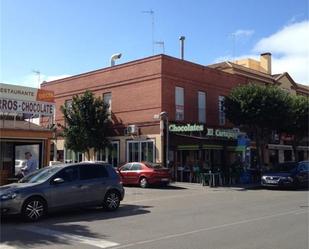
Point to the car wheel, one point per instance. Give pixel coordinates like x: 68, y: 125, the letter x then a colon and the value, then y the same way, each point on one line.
x: 143, y: 182
x: 111, y: 201
x: 34, y: 209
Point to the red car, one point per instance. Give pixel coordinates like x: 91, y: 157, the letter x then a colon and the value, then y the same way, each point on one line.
x: 144, y: 174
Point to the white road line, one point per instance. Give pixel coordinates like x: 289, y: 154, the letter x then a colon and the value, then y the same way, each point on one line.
x: 172, y: 236
x: 70, y: 237
x: 6, y: 246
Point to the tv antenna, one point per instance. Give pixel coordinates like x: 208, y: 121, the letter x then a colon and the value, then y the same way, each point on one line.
x: 38, y: 73
x: 161, y: 43
x: 151, y: 12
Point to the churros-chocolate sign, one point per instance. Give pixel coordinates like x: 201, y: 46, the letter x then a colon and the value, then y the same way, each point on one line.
x: 26, y: 100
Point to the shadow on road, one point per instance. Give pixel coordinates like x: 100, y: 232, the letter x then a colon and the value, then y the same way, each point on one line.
x: 15, y: 232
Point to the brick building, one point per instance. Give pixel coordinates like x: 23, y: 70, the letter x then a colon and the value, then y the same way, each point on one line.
x: 189, y: 94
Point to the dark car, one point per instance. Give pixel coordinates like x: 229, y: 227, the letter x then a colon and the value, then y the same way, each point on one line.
x: 294, y: 175
x: 144, y: 174
x: 62, y: 186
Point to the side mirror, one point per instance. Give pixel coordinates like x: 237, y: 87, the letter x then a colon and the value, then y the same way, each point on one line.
x: 58, y: 180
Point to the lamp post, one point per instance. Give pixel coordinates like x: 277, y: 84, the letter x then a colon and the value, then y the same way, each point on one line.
x: 163, y: 116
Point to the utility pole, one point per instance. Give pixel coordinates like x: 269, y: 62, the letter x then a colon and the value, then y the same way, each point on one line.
x: 151, y: 12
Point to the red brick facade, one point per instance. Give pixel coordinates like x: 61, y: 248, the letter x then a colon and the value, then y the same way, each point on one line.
x: 146, y: 87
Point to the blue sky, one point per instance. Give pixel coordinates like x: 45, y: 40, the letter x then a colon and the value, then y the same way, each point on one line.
x: 66, y: 37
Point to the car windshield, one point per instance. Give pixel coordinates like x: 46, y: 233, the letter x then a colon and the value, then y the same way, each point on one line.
x: 284, y: 167
x: 40, y: 175
x: 153, y: 165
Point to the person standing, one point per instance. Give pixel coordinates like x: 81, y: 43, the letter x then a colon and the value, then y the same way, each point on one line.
x: 31, y: 164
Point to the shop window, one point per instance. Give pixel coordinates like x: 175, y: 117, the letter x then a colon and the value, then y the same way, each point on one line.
x: 107, y: 98
x: 140, y: 151
x: 109, y: 155
x: 73, y: 157
x: 202, y: 107
x: 221, y: 111
x: 68, y: 104
x: 179, y: 103
x: 287, y: 155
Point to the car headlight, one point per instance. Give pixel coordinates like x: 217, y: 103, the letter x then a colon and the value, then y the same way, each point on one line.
x: 8, y: 196
x: 263, y: 177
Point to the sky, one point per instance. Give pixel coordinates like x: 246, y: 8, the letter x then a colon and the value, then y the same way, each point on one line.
x: 60, y: 38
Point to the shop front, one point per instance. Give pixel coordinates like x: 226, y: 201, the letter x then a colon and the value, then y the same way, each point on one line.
x: 196, y: 149
x: 18, y: 135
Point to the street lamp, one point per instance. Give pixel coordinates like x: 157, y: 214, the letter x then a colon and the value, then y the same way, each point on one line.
x: 164, y: 116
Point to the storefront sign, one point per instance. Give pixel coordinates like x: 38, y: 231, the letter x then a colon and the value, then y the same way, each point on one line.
x: 185, y: 128
x: 26, y: 100
x: 228, y: 133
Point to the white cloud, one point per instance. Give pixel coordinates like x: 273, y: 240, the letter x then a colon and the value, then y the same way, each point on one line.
x: 289, y: 48
x: 292, y: 39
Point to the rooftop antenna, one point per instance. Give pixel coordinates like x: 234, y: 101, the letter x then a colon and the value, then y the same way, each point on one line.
x: 161, y: 43
x: 151, y: 12
x: 38, y: 73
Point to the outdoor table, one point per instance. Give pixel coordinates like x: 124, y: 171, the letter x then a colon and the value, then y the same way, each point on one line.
x: 212, y: 179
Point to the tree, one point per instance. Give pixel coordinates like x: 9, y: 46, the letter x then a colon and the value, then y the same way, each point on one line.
x: 299, y: 119
x: 86, y: 123
x: 259, y: 110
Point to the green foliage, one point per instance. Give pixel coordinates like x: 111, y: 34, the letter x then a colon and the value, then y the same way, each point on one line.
x: 299, y: 117
x: 86, y: 123
x: 260, y: 110
x: 258, y: 106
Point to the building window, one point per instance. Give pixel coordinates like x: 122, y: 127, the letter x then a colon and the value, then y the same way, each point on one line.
x: 68, y: 104
x: 107, y: 98
x: 221, y: 111
x: 138, y: 151
x: 73, y: 157
x: 179, y: 103
x: 109, y: 155
x: 202, y: 107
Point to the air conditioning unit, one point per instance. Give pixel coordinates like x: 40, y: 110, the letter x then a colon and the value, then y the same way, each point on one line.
x: 132, y: 129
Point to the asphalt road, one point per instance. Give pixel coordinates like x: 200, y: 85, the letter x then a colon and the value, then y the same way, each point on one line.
x: 181, y: 217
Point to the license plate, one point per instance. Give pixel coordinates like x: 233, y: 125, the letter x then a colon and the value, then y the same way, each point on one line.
x: 272, y: 181
x: 165, y: 179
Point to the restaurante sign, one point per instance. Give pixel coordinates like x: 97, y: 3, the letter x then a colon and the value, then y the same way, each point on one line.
x: 26, y: 100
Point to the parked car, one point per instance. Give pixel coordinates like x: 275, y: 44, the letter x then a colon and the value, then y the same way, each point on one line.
x: 18, y: 165
x: 289, y: 174
x: 62, y: 186
x: 144, y: 174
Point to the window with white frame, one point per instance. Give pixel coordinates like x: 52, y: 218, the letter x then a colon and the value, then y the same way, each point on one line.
x: 68, y: 103
x: 221, y: 111
x: 179, y: 103
x: 201, y: 107
x: 109, y: 155
x: 107, y: 98
x: 138, y: 151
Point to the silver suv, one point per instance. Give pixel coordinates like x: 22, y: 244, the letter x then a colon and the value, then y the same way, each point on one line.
x: 62, y: 186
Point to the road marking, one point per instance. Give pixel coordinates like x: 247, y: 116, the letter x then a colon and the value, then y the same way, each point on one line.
x: 172, y: 236
x: 6, y: 246
x: 101, y: 243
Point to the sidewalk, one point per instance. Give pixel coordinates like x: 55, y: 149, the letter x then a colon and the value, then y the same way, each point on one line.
x: 224, y: 187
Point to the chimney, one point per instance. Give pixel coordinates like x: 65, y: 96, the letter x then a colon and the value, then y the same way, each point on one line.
x: 265, y: 62
x: 182, y: 45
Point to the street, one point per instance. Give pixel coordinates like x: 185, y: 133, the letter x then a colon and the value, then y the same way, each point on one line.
x: 182, y: 216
